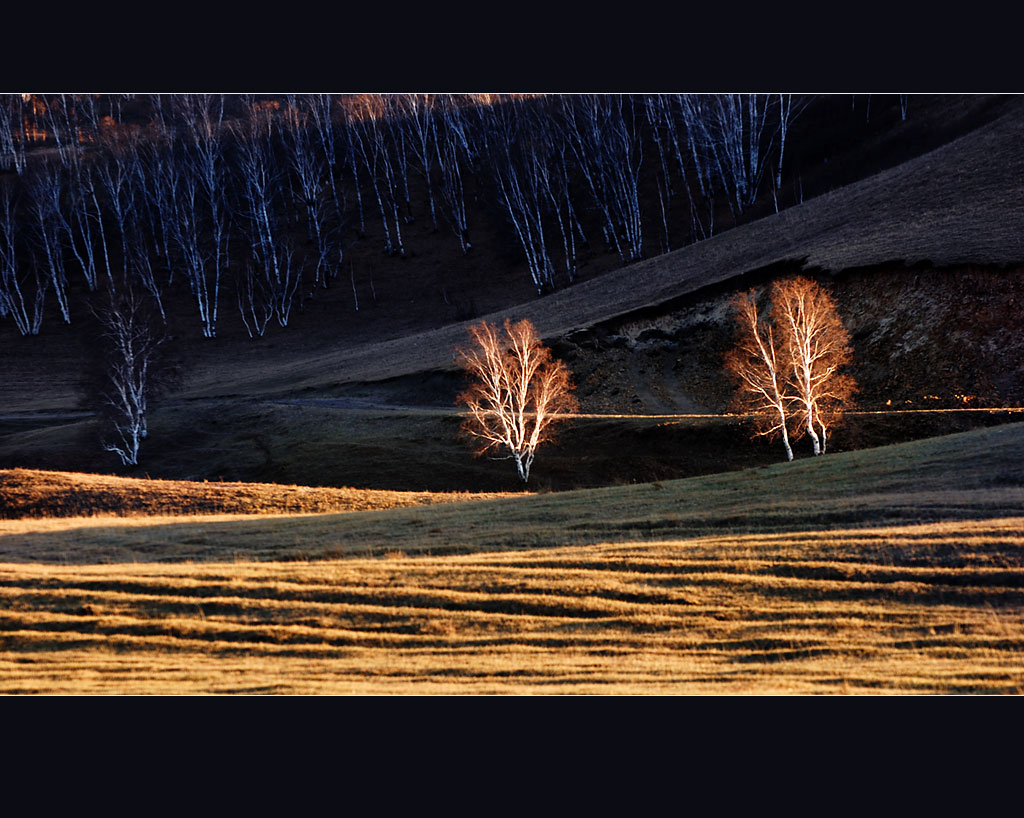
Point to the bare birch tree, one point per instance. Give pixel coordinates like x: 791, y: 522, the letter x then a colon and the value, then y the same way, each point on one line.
x: 130, y: 342
x: 369, y: 134
x: 272, y: 254
x: 817, y: 346
x: 418, y: 117
x: 255, y: 300
x: 20, y: 298
x: 760, y: 375
x: 602, y: 131
x: 451, y: 146
x: 321, y: 109
x: 519, y: 391
x: 79, y: 227
x: 204, y: 119
x: 43, y: 187
x: 309, y: 173
x: 521, y: 188
x: 158, y: 168
x: 788, y: 366
x: 12, y: 133
x: 114, y: 171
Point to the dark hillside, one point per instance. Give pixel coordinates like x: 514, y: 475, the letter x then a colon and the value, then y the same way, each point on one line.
x: 831, y: 144
x: 923, y: 338
x: 957, y: 205
x: 925, y: 257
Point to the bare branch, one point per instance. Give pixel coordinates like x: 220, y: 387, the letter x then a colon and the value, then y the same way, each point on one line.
x: 788, y: 370
x: 519, y: 391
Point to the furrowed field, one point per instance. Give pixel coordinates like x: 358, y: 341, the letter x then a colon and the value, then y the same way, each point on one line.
x: 896, y: 569
x: 304, y: 515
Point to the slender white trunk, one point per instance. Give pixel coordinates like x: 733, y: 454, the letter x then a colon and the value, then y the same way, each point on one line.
x: 785, y: 436
x: 815, y: 440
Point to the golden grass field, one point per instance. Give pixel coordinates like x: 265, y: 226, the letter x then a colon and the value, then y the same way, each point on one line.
x: 820, y: 612
x: 37, y: 493
x: 896, y: 569
x: 889, y: 570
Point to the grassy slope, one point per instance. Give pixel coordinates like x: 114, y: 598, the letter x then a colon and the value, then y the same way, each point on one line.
x: 35, y: 493
x: 893, y: 569
x: 969, y: 475
x: 319, y: 445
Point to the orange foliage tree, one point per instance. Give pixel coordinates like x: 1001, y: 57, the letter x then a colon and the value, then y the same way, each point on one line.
x: 519, y: 390
x: 788, y: 367
x: 817, y: 347
x: 759, y: 372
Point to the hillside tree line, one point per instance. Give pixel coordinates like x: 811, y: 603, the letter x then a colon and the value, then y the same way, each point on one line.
x: 251, y: 203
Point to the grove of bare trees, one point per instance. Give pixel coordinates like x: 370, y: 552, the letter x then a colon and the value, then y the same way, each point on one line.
x: 519, y: 391
x: 128, y: 374
x: 788, y: 363
x: 256, y: 198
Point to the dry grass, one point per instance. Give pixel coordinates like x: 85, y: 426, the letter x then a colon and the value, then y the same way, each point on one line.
x: 925, y: 608
x: 972, y: 475
x: 888, y: 570
x: 35, y: 493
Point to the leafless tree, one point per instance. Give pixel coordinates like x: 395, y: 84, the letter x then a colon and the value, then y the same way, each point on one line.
x: 737, y: 127
x: 321, y: 109
x: 158, y: 168
x: 79, y: 222
x: 12, y: 133
x: 788, y: 366
x: 759, y: 373
x: 369, y: 134
x: 688, y: 111
x: 734, y: 139
x: 352, y: 160
x: 114, y: 171
x: 291, y: 275
x: 185, y: 223
x: 309, y: 172
x: 20, y: 297
x: 122, y: 174
x: 417, y: 115
x: 817, y: 347
x: 786, y: 114
x: 451, y: 146
x: 255, y: 301
x: 130, y: 342
x: 59, y: 128
x: 203, y: 115
x: 518, y: 153
x: 656, y: 114
x: 519, y: 390
x: 394, y: 114
x: 272, y: 255
x: 554, y: 176
x: 602, y: 131
x: 522, y: 192
x: 43, y: 186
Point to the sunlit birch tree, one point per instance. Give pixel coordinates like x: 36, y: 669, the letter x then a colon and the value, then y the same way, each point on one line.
x: 519, y: 390
x: 817, y: 348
